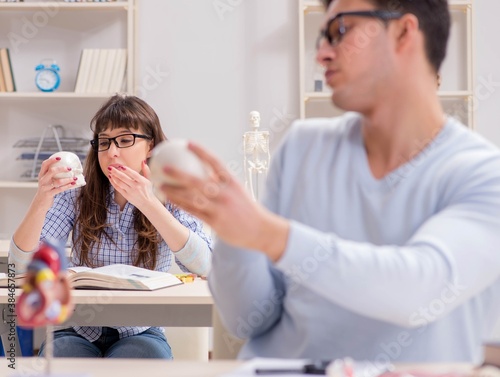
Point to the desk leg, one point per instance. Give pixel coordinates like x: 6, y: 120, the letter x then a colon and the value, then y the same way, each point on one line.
x: 5, y: 328
x: 226, y: 346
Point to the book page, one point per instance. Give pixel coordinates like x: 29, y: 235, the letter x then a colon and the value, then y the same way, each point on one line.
x: 126, y: 271
x: 77, y: 269
x: 5, y: 280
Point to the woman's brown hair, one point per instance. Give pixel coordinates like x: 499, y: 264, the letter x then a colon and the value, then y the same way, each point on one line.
x: 92, y: 203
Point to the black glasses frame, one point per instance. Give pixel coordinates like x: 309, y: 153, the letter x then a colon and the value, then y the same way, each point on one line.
x: 95, y: 142
x: 384, y: 15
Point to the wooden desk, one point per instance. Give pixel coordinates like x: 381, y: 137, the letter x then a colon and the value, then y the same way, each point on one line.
x: 28, y: 366
x: 186, y: 305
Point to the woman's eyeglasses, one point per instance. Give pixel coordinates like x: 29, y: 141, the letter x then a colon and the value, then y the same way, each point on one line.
x: 102, y: 144
x: 335, y: 28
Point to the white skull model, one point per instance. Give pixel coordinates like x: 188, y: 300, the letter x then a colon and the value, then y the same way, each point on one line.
x: 255, y: 119
x: 174, y: 153
x: 71, y: 160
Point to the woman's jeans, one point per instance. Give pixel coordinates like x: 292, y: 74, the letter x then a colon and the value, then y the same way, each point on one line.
x: 151, y: 344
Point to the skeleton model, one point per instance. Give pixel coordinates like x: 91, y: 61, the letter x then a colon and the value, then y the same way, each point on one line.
x: 256, y: 155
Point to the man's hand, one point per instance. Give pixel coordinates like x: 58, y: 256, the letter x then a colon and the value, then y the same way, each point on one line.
x: 222, y: 202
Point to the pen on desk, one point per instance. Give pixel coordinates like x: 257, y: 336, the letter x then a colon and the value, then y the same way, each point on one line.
x: 318, y: 368
x: 279, y: 371
x: 344, y: 367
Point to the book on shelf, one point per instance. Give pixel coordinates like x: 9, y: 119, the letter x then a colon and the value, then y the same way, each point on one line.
x: 113, y: 276
x: 86, y: 69
x: 8, y: 76
x: 79, y: 77
x: 101, y: 71
x: 94, y: 58
x: 3, y: 88
x: 118, y: 79
x: 108, y: 65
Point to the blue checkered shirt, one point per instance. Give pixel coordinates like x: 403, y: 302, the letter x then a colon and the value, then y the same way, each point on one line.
x: 59, y: 223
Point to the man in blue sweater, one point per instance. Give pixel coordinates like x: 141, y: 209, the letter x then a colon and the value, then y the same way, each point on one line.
x: 379, y: 237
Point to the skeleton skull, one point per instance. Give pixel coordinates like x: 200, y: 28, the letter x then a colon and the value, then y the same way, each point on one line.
x: 71, y: 160
x: 255, y: 119
x: 176, y: 154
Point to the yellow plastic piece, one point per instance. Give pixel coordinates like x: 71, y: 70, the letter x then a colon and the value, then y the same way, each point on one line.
x: 27, y: 287
x: 44, y: 275
x: 63, y: 315
x: 186, y: 278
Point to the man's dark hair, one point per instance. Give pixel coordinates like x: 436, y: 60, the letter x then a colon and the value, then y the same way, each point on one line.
x: 434, y: 21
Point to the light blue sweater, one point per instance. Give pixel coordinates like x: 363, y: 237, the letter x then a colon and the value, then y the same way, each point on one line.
x: 401, y: 269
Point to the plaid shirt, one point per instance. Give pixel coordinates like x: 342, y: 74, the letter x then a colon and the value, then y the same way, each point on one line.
x: 61, y: 217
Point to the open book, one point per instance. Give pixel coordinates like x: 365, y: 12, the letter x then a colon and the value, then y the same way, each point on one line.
x: 114, y: 276
x: 6, y: 280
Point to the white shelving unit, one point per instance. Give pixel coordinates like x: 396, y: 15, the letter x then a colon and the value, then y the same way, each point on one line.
x: 52, y: 95
x: 33, y: 5
x: 457, y: 72
x: 35, y: 30
x: 45, y: 11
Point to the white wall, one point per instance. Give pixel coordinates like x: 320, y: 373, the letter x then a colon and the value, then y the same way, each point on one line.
x: 225, y: 58
x: 488, y: 69
x: 221, y: 64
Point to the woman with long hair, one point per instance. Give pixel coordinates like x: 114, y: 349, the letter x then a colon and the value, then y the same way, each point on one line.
x: 115, y: 218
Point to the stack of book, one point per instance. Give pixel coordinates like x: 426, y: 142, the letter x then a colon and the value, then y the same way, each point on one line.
x: 7, y: 83
x: 101, y: 71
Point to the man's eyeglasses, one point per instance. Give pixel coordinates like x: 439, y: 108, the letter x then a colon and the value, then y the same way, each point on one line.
x: 102, y: 144
x: 335, y: 28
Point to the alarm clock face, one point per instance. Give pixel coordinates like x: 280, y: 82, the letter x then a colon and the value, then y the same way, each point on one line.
x: 47, y: 80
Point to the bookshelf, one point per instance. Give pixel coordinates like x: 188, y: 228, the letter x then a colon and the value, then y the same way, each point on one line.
x: 32, y: 20
x: 37, y: 30
x: 457, y: 72
x: 52, y: 95
x: 65, y: 5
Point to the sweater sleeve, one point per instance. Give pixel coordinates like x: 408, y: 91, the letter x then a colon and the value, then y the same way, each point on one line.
x: 196, y: 255
x: 247, y: 291
x: 19, y: 258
